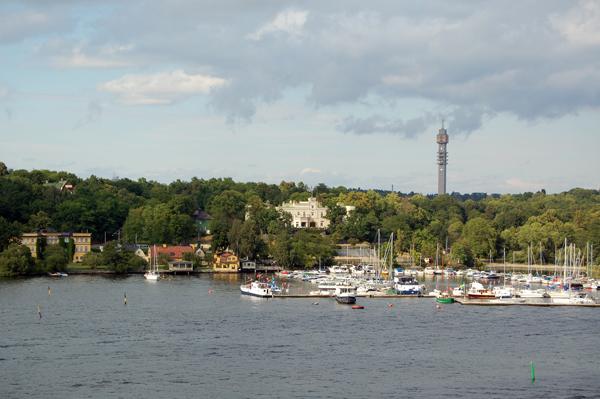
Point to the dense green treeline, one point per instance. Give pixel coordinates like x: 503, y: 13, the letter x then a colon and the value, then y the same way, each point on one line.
x: 244, y: 219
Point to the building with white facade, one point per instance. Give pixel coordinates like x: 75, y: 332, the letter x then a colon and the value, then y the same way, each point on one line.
x: 306, y: 213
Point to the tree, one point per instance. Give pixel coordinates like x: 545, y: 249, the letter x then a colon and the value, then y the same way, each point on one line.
x: 92, y: 259
x: 252, y: 245
x: 281, y: 249
x: 461, y: 253
x: 480, y: 235
x: 3, y: 169
x: 234, y: 236
x: 8, y: 233
x: 55, y: 258
x: 39, y: 221
x: 116, y: 258
x: 16, y: 260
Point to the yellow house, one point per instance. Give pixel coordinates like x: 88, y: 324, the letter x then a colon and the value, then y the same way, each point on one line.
x: 226, y: 262
x: 30, y: 240
x: 83, y: 245
x: 82, y: 242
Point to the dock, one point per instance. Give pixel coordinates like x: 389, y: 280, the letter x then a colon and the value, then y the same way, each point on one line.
x: 462, y: 301
x: 475, y: 302
x: 374, y: 296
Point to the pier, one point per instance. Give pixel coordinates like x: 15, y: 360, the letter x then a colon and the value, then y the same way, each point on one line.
x: 461, y: 301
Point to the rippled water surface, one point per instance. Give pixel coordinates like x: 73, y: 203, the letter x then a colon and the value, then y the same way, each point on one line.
x: 193, y: 337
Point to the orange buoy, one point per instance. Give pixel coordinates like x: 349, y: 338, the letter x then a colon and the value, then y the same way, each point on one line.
x: 358, y: 307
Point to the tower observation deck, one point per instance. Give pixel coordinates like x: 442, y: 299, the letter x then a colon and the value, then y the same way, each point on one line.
x: 442, y: 159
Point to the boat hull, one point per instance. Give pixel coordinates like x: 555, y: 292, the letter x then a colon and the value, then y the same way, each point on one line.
x: 346, y: 300
x: 249, y: 292
x: 408, y: 292
x: 444, y: 300
x: 481, y: 296
x: 151, y: 276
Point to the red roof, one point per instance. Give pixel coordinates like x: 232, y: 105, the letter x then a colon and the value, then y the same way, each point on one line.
x: 173, y: 252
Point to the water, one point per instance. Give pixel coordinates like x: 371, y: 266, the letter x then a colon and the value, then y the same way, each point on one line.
x: 177, y: 338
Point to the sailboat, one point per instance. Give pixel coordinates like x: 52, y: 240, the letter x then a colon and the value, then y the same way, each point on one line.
x: 152, y: 273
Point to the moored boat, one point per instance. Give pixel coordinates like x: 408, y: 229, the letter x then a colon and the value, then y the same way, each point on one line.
x: 58, y: 274
x: 257, y: 288
x: 528, y: 293
x: 407, y: 285
x: 444, y: 298
x: 345, y: 294
x: 152, y: 273
x: 478, y: 291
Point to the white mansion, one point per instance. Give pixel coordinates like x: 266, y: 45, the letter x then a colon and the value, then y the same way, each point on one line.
x: 306, y: 213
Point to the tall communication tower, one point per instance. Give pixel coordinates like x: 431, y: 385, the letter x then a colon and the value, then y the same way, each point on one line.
x: 442, y: 159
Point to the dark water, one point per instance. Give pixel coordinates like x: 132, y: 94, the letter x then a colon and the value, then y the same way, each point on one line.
x: 175, y: 339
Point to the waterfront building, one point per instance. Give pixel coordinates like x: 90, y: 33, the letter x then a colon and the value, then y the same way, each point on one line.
x: 226, y: 262
x: 172, y: 252
x: 83, y: 245
x: 82, y: 242
x: 306, y: 213
x: 442, y: 159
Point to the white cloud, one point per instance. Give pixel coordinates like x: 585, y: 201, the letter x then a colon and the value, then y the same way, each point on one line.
x: 306, y: 171
x: 160, y: 88
x: 107, y: 57
x: 289, y: 21
x: 581, y: 24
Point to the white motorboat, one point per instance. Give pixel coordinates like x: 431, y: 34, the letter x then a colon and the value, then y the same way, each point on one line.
x: 503, y: 292
x: 257, y: 288
x: 458, y: 291
x: 478, y: 291
x: 345, y: 294
x: 407, y: 285
x: 58, y: 274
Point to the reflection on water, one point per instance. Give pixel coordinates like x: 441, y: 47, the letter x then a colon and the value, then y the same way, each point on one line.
x: 192, y: 337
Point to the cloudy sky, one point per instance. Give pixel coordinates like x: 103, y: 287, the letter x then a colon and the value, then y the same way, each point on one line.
x: 340, y: 92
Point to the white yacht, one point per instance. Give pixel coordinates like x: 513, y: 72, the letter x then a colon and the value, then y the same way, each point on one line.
x: 152, y: 273
x: 257, y: 288
x: 503, y: 292
x: 345, y: 294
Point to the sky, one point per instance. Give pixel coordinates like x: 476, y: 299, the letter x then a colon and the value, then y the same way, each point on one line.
x: 343, y: 92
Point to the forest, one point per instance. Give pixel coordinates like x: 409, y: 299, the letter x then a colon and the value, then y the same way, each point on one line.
x: 473, y: 227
